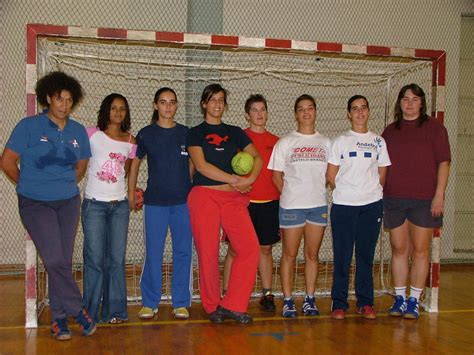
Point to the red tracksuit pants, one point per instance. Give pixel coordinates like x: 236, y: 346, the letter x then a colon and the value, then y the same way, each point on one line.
x: 210, y: 209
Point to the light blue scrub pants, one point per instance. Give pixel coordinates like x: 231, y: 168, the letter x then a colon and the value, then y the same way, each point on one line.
x: 157, y: 219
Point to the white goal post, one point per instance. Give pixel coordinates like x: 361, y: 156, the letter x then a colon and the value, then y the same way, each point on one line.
x: 136, y: 63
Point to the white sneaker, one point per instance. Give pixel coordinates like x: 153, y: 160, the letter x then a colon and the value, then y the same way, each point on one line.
x: 181, y: 313
x: 147, y: 313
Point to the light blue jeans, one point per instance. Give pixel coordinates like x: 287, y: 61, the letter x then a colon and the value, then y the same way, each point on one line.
x: 105, y: 226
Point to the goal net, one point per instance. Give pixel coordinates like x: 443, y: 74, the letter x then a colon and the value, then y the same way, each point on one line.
x: 136, y: 67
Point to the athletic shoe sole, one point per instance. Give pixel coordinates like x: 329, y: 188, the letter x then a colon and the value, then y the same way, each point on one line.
x: 409, y: 316
x: 395, y: 314
x: 61, y: 336
x: 90, y: 332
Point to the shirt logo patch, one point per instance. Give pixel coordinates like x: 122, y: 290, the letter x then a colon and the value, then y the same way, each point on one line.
x: 378, y: 142
x: 44, y: 139
x: 215, y: 139
x: 74, y: 143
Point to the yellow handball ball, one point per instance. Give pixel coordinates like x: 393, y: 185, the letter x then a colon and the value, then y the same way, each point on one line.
x: 242, y: 163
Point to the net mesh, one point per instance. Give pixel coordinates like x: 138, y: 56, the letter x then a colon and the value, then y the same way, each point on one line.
x: 137, y: 70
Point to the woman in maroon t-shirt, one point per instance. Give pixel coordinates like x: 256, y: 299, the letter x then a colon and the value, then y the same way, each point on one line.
x: 413, y: 193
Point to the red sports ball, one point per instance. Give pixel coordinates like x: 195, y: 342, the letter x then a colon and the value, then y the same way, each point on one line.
x: 139, y: 199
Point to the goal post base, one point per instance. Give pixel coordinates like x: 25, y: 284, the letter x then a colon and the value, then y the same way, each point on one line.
x: 430, y: 304
x: 31, y: 295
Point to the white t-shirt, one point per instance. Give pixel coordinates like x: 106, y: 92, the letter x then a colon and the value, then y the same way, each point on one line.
x: 303, y: 160
x: 358, y: 155
x: 106, y: 172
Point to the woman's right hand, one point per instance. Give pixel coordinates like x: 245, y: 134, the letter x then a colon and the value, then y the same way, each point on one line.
x: 131, y: 203
x: 242, y: 184
x: 437, y: 206
x: 132, y: 183
x: 136, y: 199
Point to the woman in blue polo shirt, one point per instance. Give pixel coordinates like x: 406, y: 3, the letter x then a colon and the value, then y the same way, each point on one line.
x: 53, y: 151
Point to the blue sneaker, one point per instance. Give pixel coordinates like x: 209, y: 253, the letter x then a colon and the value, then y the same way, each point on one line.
x: 289, y: 309
x: 412, y: 310
x: 60, y: 330
x: 309, y: 307
x: 85, y: 322
x: 398, y: 307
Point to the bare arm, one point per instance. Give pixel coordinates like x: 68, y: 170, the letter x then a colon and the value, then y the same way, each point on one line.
x: 81, y: 167
x: 126, y: 167
x: 277, y: 178
x: 128, y: 163
x: 257, y: 162
x: 192, y: 169
x: 331, y: 173
x: 243, y: 183
x: 132, y: 181
x: 382, y: 174
x: 10, y: 164
x: 208, y: 170
x: 437, y: 205
x: 211, y: 171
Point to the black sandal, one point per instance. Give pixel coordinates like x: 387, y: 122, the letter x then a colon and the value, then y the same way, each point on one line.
x: 116, y: 320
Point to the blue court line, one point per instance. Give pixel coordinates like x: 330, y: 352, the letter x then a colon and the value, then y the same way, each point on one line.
x: 277, y: 336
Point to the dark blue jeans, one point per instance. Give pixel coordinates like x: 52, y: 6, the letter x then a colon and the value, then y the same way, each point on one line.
x: 105, y: 226
x: 359, y: 226
x: 52, y: 226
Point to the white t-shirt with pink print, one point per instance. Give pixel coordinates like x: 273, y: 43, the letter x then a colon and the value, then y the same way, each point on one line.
x: 106, y: 173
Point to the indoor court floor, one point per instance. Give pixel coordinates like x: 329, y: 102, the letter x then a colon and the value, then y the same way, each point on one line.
x: 450, y: 331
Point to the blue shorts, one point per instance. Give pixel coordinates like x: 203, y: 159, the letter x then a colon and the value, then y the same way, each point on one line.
x: 293, y: 218
x: 418, y: 212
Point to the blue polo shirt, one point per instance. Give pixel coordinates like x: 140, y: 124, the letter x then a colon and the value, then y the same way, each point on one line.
x: 48, y: 157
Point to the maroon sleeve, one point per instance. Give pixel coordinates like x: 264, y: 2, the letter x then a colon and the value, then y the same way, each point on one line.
x: 442, y: 149
x: 385, y: 132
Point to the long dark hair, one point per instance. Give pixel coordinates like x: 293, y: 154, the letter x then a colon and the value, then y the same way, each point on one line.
x: 207, y: 93
x: 417, y: 91
x: 103, y: 115
x: 156, y: 115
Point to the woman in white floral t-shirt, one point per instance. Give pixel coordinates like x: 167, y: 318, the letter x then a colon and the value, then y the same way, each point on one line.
x: 105, y: 211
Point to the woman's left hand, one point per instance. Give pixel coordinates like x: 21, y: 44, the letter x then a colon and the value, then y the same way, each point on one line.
x: 437, y: 206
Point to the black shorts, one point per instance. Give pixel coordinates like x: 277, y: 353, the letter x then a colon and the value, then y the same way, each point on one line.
x: 265, y: 221
x: 418, y: 212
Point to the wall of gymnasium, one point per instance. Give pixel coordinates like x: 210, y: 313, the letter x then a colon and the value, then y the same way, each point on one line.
x: 430, y: 24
